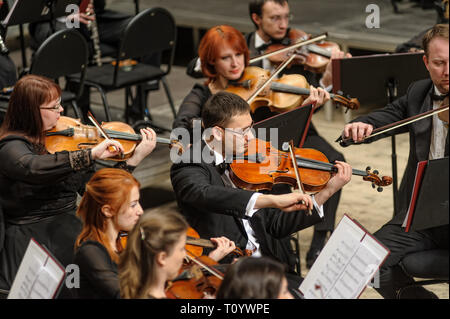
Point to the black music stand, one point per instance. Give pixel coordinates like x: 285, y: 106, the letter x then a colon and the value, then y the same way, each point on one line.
x: 431, y: 207
x: 291, y: 125
x: 377, y: 79
x: 28, y: 11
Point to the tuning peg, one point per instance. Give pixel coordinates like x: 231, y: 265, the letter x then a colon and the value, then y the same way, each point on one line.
x: 373, y: 185
x: 368, y: 168
x: 376, y: 172
x: 380, y: 189
x: 340, y: 92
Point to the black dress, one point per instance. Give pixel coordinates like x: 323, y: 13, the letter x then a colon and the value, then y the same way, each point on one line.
x: 38, y: 195
x: 98, y: 272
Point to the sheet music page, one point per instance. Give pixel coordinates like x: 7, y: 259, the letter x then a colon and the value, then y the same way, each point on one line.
x: 11, y: 9
x: 346, y: 265
x: 359, y: 271
x: 332, y: 261
x: 38, y: 276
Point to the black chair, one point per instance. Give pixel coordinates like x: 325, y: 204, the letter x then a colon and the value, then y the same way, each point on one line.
x: 149, y: 32
x: 431, y: 265
x: 64, y: 53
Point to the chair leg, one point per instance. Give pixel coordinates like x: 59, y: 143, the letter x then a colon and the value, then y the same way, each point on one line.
x: 76, y: 110
x: 169, y: 96
x: 105, y: 102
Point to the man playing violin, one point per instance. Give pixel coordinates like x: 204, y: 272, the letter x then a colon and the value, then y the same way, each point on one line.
x: 256, y: 222
x: 271, y: 19
x: 428, y: 140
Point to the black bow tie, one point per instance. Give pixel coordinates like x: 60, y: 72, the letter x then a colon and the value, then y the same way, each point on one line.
x: 436, y: 97
x: 222, y: 167
x: 263, y: 47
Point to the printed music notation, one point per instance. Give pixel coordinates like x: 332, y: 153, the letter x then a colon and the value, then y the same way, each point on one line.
x: 346, y: 265
x: 39, y: 275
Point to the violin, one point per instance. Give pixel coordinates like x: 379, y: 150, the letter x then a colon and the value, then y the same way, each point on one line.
x: 263, y: 166
x: 195, y: 244
x: 314, y: 57
x: 197, y: 280
x: 71, y: 135
x: 281, y: 95
x: 200, y: 275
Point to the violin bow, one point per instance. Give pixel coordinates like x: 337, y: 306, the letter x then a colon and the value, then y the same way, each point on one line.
x: 393, y: 126
x: 213, y: 272
x: 290, y: 47
x: 272, y: 76
x: 102, y: 131
x: 297, y: 173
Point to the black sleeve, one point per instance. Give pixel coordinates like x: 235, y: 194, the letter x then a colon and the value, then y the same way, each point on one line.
x: 191, y: 107
x: 193, y: 188
x: 98, y: 269
x: 19, y: 163
x: 280, y: 224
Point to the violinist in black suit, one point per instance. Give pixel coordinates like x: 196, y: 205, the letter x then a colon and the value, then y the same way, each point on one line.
x: 256, y: 222
x: 428, y: 140
x: 271, y: 20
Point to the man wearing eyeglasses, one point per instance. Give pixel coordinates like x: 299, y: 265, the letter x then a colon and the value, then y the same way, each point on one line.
x: 258, y: 223
x: 271, y: 19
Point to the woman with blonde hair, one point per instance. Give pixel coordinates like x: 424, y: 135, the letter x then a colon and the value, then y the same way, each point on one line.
x: 155, y: 252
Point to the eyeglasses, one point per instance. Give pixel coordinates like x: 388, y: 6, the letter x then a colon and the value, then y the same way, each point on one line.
x: 54, y: 108
x: 278, y: 19
x: 241, y: 132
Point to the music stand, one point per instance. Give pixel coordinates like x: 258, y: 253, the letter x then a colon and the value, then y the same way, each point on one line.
x: 29, y: 11
x: 291, y: 125
x: 431, y: 206
x: 386, y: 77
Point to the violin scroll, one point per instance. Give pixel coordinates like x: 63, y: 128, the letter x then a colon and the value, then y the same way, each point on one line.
x: 376, y: 180
x: 348, y: 102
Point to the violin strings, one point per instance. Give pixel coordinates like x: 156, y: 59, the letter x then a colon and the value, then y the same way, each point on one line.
x: 204, y: 266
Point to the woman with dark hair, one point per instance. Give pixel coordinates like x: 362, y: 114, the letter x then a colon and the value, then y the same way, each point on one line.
x: 38, y: 190
x: 254, y: 278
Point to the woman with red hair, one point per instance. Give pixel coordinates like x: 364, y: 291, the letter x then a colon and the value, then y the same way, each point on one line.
x: 109, y: 206
x: 224, y: 55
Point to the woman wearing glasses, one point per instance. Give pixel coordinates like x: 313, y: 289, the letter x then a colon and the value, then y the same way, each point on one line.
x: 38, y: 190
x: 224, y: 54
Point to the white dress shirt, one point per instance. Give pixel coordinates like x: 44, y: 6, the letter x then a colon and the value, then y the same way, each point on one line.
x: 438, y: 133
x: 252, y: 243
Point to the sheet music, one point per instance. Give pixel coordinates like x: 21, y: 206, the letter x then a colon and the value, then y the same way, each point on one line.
x: 345, y: 266
x: 38, y: 276
x: 8, y: 16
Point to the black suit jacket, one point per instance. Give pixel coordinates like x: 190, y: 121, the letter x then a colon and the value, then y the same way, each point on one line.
x: 417, y: 100
x: 214, y: 209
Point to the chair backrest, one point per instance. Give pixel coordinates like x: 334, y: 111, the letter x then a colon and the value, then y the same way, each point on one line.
x: 63, y: 53
x: 151, y: 31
